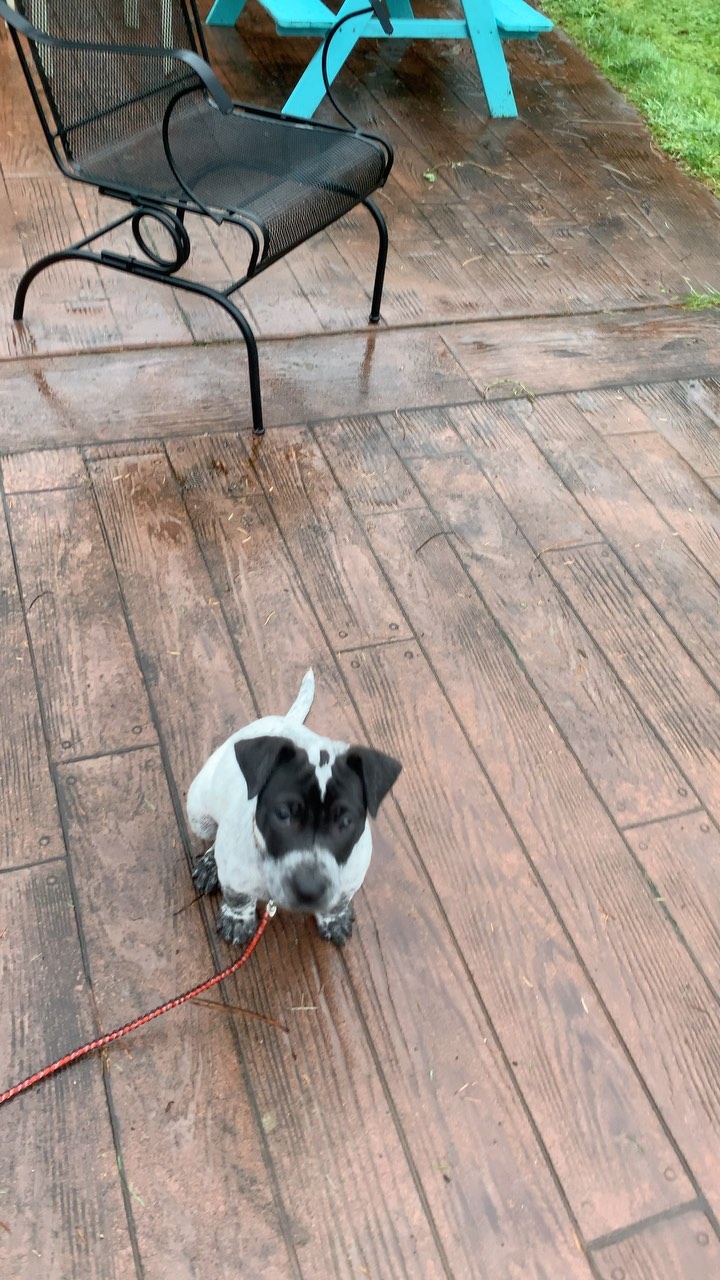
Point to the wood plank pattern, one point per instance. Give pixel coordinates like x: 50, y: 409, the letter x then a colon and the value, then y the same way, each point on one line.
x: 24, y: 149
x: 613, y: 411
x: 519, y: 958
x: 37, y: 471
x: 322, y: 277
x: 91, y: 687
x: 490, y: 525
x: 597, y: 888
x: 198, y: 702
x: 142, y: 310
x: 12, y: 258
x: 254, y: 577
x: 683, y: 413
x: 684, y: 1248
x: 355, y: 605
x: 157, y: 560
x: 194, y: 1102
x: 462, y: 1154
x: 538, y: 227
x: 632, y: 771
x: 705, y: 394
x: 650, y: 661
x: 682, y: 858
x: 62, y: 1204
x: 687, y: 505
x: 668, y: 409
x: 571, y: 227
x: 596, y: 351
x: 29, y: 823
x: 86, y: 400
x: 682, y: 591
x: 68, y: 308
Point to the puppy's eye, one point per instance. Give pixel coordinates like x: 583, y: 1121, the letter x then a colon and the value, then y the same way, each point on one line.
x: 345, y: 821
x: 282, y: 813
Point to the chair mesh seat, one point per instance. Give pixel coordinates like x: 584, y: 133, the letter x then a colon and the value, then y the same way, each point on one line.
x: 288, y: 179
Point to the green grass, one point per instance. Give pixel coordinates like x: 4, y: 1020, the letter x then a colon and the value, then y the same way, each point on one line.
x: 698, y: 301
x: 665, y: 56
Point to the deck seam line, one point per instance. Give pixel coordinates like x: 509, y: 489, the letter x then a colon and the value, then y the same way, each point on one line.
x: 33, y: 866
x: 106, y: 755
x: 513, y: 317
x: 664, y: 817
x: 228, y: 425
x: 376, y: 644
x: 55, y: 488
x: 643, y: 1224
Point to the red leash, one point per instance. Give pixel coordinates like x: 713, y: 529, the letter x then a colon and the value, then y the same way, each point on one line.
x: 111, y: 1036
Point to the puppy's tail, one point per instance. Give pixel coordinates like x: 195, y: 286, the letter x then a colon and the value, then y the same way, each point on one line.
x: 304, y: 700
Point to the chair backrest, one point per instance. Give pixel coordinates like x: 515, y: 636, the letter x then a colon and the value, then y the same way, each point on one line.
x: 88, y: 100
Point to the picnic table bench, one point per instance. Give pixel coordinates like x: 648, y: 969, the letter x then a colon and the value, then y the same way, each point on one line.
x: 486, y: 23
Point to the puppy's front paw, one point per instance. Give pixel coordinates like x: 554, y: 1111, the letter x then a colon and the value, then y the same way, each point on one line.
x: 205, y: 874
x: 237, y: 924
x: 338, y: 927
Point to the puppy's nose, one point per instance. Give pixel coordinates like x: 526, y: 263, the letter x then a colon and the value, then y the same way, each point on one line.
x: 309, y: 885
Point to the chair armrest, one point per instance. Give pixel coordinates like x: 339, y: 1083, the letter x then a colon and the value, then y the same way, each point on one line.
x: 204, y: 73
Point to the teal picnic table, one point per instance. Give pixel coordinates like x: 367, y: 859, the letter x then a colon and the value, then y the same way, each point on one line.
x: 486, y: 23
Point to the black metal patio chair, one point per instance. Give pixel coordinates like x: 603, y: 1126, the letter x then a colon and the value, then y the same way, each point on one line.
x: 130, y: 105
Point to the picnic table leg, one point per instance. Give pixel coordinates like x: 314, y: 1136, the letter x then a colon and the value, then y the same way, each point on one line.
x: 225, y: 13
x: 310, y: 89
x: 488, y: 50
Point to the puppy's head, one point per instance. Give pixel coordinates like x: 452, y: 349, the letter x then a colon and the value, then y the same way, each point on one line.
x: 311, y: 816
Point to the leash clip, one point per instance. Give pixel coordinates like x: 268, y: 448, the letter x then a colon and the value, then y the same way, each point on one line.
x: 271, y: 908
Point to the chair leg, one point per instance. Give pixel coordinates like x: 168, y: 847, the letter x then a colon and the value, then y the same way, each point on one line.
x: 26, y: 280
x: 132, y: 267
x: 243, y: 325
x: 381, y: 260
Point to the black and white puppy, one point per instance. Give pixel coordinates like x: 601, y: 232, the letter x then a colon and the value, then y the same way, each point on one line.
x: 288, y: 812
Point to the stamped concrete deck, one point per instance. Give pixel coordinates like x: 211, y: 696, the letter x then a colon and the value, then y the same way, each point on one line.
x: 492, y: 527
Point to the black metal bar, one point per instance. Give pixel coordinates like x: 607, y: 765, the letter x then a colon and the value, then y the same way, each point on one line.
x: 132, y: 266
x: 42, y: 263
x: 359, y: 13
x: 203, y: 71
x: 130, y: 101
x: 237, y: 217
x: 95, y: 235
x: 199, y: 31
x: 50, y: 137
x: 381, y: 225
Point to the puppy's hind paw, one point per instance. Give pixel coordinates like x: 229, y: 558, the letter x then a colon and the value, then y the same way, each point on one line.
x: 237, y: 925
x: 338, y: 927
x: 205, y: 876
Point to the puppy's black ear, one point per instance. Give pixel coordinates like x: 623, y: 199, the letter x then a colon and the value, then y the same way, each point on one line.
x: 258, y: 757
x: 377, y: 771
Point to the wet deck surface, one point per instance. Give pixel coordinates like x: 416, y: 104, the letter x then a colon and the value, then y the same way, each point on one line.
x: 492, y: 528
